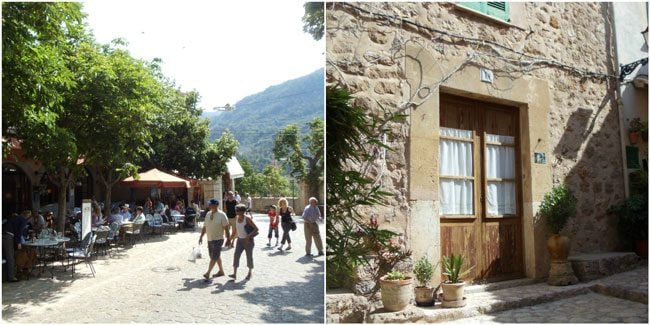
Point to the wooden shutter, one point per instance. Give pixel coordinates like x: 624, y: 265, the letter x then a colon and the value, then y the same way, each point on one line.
x: 498, y: 10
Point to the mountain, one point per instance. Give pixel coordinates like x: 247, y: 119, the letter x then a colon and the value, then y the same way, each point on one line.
x: 257, y: 118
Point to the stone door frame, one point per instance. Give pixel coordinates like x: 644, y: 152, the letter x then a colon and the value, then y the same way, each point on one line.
x: 530, y: 95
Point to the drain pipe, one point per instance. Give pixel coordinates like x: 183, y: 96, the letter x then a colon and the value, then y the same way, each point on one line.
x: 619, y: 98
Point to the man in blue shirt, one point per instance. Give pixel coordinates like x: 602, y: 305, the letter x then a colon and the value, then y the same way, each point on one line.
x: 312, y: 216
x: 126, y: 215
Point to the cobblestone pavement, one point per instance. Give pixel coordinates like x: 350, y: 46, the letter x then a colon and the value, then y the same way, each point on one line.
x: 586, y: 308
x: 155, y: 283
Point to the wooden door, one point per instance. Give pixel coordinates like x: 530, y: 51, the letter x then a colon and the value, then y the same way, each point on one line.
x: 481, y: 218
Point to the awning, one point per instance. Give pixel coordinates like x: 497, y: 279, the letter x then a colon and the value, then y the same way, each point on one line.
x: 156, y: 178
x: 641, y: 78
x: 234, y: 168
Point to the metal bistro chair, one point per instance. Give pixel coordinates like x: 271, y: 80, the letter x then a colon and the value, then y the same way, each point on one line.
x: 84, y: 253
x: 102, y: 240
x: 113, y: 236
x: 148, y: 223
x: 157, y: 223
x: 135, y: 231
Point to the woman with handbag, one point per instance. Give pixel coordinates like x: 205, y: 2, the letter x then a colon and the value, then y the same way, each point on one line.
x: 287, y: 222
x: 245, y: 230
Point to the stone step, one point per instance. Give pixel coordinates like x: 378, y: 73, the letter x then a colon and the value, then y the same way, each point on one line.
x: 476, y: 288
x: 593, y: 266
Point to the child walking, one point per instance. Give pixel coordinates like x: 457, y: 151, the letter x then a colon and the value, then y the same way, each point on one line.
x: 274, y: 221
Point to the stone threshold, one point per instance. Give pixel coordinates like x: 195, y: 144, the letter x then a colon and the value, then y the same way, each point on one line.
x: 485, y: 302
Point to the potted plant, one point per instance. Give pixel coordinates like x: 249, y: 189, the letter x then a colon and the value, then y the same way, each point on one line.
x: 632, y: 223
x: 424, y: 295
x: 453, y: 289
x: 636, y: 129
x: 556, y: 208
x: 395, y: 290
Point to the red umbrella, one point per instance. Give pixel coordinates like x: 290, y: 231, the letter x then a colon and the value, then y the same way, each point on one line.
x: 156, y: 178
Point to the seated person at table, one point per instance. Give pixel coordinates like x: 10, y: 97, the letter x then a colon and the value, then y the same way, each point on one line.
x: 49, y: 220
x: 139, y: 215
x: 97, y: 218
x: 36, y: 221
x: 159, y: 206
x: 126, y: 215
x: 116, y: 216
x: 148, y: 206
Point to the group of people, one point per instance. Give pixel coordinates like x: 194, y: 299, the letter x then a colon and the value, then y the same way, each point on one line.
x: 235, y: 226
x: 241, y: 227
x: 16, y: 231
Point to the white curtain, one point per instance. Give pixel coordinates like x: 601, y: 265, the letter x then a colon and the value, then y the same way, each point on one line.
x: 456, y: 196
x: 500, y: 163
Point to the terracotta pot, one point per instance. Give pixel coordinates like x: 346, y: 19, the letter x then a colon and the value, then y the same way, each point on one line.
x: 558, y: 247
x: 396, y: 294
x: 453, y: 291
x: 634, y: 137
x: 642, y: 248
x: 424, y: 296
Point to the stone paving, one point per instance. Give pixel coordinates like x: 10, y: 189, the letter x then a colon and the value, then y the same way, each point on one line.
x: 155, y: 283
x: 586, y: 308
x: 621, y: 297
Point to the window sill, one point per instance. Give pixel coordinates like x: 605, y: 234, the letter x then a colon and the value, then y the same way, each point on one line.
x: 488, y: 17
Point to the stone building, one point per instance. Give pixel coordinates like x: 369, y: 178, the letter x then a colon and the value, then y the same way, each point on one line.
x: 504, y: 101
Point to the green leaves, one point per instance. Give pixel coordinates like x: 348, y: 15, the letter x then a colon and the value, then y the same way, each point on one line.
x: 314, y: 19
x: 424, y: 270
x: 557, y: 207
x: 452, y: 266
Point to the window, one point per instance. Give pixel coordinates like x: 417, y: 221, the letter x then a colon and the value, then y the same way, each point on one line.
x: 498, y: 10
x: 456, y: 172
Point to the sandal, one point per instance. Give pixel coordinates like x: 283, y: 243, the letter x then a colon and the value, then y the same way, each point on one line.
x: 218, y: 274
x: 206, y: 276
x: 248, y: 277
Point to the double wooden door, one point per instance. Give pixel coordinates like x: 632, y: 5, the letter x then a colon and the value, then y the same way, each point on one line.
x: 480, y: 187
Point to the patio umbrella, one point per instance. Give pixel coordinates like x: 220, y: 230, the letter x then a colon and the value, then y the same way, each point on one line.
x: 156, y: 178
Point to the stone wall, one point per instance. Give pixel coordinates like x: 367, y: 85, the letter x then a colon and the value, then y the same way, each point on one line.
x: 367, y: 52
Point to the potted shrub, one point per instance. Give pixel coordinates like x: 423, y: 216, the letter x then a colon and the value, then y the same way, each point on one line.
x: 637, y: 129
x: 632, y: 223
x: 424, y: 295
x: 453, y: 289
x: 395, y: 290
x: 556, y: 208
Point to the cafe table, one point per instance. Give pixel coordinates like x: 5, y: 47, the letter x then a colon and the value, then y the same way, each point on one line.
x: 41, y: 245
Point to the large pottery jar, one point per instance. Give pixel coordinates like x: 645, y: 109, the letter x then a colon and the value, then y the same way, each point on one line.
x: 558, y: 247
x: 396, y: 294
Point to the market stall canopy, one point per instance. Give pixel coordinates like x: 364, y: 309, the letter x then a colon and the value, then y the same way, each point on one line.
x: 234, y: 168
x: 156, y: 178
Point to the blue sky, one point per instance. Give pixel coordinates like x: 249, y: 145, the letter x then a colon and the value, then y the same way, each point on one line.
x: 224, y: 49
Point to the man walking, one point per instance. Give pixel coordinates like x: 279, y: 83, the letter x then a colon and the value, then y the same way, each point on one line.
x: 230, y: 213
x: 312, y: 216
x: 215, y: 224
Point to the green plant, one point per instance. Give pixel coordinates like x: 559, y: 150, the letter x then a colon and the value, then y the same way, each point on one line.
x: 636, y: 125
x: 557, y: 207
x: 352, y: 132
x: 452, y: 268
x: 639, y: 182
x: 395, y: 276
x: 424, y: 271
x: 632, y: 223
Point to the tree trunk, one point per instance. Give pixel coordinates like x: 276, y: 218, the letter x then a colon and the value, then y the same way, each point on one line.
x: 63, y: 192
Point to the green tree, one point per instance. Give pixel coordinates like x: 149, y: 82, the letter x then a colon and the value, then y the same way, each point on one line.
x: 181, y: 134
x: 313, y: 19
x: 287, y: 148
x: 252, y: 182
x: 119, y: 96
x: 276, y: 183
x: 217, y: 154
x: 39, y: 39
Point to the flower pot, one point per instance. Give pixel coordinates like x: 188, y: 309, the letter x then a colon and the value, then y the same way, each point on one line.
x: 634, y: 137
x: 453, y: 291
x: 424, y: 296
x: 642, y: 248
x: 558, y: 247
x: 395, y: 294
